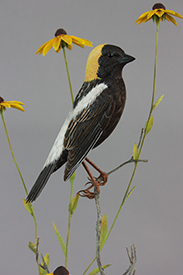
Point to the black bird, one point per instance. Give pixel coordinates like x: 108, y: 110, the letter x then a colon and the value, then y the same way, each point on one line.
x: 97, y: 109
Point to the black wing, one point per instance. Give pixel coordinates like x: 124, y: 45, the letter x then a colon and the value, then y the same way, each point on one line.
x: 84, y: 131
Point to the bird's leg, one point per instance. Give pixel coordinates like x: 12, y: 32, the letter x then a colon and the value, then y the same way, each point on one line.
x: 93, y: 181
x: 102, y: 179
x: 97, y: 182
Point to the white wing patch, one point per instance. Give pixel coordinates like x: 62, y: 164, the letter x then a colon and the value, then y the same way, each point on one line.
x: 86, y: 101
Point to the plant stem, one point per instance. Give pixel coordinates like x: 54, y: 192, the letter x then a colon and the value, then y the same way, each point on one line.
x: 11, y: 150
x: 35, y: 225
x: 72, y: 182
x: 154, y: 86
x: 69, y: 225
x: 98, y: 231
x: 68, y: 75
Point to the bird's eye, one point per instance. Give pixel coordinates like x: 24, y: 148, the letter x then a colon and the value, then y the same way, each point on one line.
x: 110, y: 55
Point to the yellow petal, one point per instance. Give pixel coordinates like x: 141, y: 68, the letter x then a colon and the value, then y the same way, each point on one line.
x: 178, y: 15
x: 80, y: 41
x: 57, y: 51
x: 48, y: 47
x: 151, y: 13
x: 143, y: 21
x: 67, y: 39
x: 69, y: 47
x: 160, y: 12
x: 144, y: 14
x: 57, y: 42
x: 40, y: 50
x: 18, y: 107
x: 170, y: 18
x: 15, y: 102
x: 169, y: 11
x: 145, y: 17
x: 5, y: 104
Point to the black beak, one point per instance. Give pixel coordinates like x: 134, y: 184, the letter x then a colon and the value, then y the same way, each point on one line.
x: 127, y: 58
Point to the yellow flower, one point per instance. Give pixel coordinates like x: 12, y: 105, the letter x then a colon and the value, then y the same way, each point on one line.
x: 10, y: 104
x: 61, y: 40
x: 157, y: 14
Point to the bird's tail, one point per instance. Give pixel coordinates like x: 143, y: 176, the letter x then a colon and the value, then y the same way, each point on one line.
x: 40, y: 182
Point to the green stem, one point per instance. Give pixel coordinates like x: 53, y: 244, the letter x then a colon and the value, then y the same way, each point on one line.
x: 11, y: 150
x: 72, y: 183
x: 68, y: 75
x: 142, y: 143
x: 154, y: 86
x: 123, y: 201
x: 69, y: 225
x: 35, y: 225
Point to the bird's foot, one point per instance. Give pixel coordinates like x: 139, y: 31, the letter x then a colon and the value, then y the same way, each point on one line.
x: 102, y: 179
x: 94, y: 182
x: 87, y: 193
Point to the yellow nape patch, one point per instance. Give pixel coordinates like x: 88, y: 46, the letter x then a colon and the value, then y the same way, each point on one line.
x: 92, y: 63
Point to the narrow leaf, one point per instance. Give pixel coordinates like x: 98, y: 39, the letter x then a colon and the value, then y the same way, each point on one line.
x: 47, y: 261
x: 73, y: 204
x: 28, y: 207
x: 104, y: 231
x: 32, y: 247
x: 42, y: 271
x: 135, y: 152
x: 61, y: 241
x: 130, y: 192
x: 96, y: 270
x: 149, y: 125
x: 158, y: 102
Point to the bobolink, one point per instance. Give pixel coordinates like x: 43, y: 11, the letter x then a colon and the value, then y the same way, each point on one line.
x: 97, y: 109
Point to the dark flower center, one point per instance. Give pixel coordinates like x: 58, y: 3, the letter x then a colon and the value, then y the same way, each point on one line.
x: 60, y: 31
x: 1, y: 99
x: 158, y: 6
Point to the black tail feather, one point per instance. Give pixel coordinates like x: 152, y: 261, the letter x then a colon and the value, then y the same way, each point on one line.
x: 40, y: 182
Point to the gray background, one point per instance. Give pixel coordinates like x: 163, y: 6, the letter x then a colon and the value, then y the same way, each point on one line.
x: 152, y: 216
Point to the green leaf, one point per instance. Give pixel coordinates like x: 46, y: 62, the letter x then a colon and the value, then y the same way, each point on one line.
x: 104, y: 231
x: 61, y: 241
x: 135, y: 152
x: 96, y: 270
x: 73, y: 204
x: 28, y: 207
x: 129, y: 193
x: 149, y: 125
x: 72, y: 178
x: 157, y: 102
x: 32, y: 247
x: 42, y: 271
x: 47, y: 261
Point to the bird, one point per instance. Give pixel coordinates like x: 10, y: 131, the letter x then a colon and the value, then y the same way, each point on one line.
x: 96, y: 111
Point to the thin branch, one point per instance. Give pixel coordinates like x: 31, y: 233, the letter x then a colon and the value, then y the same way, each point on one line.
x: 126, y: 162
x: 98, y: 231
x: 11, y: 150
x: 132, y: 259
x: 44, y: 266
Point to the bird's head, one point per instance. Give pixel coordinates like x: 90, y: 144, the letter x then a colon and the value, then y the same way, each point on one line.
x: 105, y: 60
